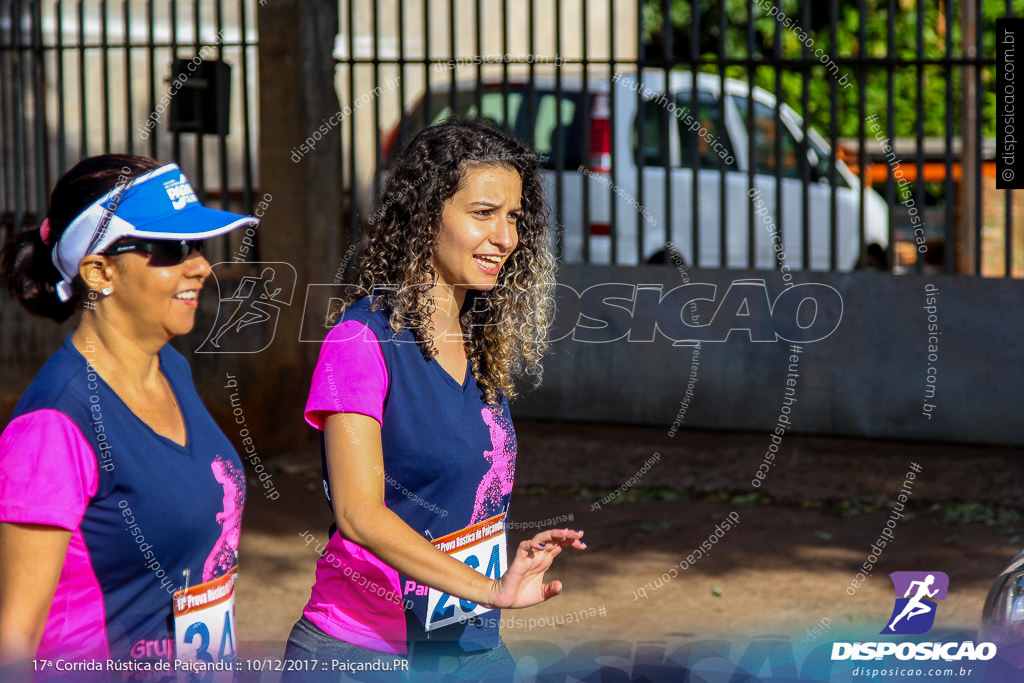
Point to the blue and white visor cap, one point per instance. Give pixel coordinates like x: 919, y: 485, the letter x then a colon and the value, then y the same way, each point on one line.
x: 158, y: 205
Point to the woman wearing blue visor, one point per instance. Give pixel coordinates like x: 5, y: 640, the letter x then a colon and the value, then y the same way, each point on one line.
x: 120, y: 498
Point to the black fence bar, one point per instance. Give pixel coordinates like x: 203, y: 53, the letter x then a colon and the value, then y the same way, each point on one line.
x: 247, y: 174
x: 5, y: 119
x: 105, y: 68
x: 222, y: 140
x: 751, y: 75
x: 478, y: 84
x: 352, y: 168
x: 862, y: 244
x: 559, y: 137
x: 949, y: 233
x: 695, y: 183
x: 780, y: 218
x: 83, y: 123
x: 402, y: 120
x: 427, y: 99
x: 453, y: 54
x: 175, y: 139
x: 980, y: 17
x: 128, y: 121
x: 1008, y: 206
x: 789, y: 63
x: 585, y: 142
x: 833, y: 114
x: 62, y: 160
x: 919, y: 125
x: 505, y: 63
x: 666, y: 131
x: 641, y: 157
x: 375, y: 33
x: 39, y: 100
x: 890, y: 118
x: 805, y: 190
x: 200, y: 147
x: 723, y: 204
x: 19, y: 132
x: 151, y: 81
x: 531, y: 89
x: 613, y: 121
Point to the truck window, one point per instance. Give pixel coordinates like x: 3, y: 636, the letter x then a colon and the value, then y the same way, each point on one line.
x: 708, y: 147
x: 549, y: 111
x: 653, y: 119
x: 697, y: 150
x: 764, y: 132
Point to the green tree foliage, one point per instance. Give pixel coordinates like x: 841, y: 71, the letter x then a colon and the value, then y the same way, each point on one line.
x: 793, y: 29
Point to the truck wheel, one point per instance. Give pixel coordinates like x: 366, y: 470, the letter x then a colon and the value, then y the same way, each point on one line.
x: 874, y: 258
x: 658, y: 258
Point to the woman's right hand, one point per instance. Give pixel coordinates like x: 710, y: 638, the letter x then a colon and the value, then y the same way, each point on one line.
x: 355, y: 464
x: 522, y: 584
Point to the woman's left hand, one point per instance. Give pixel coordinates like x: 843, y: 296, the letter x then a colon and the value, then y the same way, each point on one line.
x: 523, y: 585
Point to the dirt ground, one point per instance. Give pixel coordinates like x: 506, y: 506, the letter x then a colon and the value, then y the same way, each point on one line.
x: 782, y: 570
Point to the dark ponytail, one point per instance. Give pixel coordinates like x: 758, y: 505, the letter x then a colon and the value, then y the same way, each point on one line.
x: 31, y: 277
x: 26, y: 261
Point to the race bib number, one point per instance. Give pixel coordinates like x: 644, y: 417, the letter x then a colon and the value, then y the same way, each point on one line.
x: 482, y: 547
x: 204, y: 624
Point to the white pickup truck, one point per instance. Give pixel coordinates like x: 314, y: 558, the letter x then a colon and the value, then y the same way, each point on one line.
x: 682, y: 134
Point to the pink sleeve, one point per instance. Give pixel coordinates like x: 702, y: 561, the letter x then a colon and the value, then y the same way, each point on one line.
x: 48, y: 471
x: 350, y: 376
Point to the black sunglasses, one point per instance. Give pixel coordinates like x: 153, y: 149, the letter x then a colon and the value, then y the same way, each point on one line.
x: 162, y: 252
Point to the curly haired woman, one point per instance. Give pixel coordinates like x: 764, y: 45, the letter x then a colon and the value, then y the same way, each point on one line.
x: 411, y: 392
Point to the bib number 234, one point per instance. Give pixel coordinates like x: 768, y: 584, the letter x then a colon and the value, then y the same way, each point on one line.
x: 482, y: 547
x: 204, y: 621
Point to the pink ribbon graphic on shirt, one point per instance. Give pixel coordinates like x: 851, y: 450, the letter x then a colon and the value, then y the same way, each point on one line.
x: 497, y: 483
x: 222, y: 557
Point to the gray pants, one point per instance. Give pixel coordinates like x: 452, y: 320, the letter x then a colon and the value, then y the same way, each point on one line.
x: 427, y: 662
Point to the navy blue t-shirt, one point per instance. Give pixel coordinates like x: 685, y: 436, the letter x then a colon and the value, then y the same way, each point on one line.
x: 449, y: 464
x: 147, y: 515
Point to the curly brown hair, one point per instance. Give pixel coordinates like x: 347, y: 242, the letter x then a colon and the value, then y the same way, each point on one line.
x: 507, y: 325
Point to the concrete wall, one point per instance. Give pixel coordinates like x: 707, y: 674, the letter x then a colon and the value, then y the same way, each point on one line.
x: 867, y: 379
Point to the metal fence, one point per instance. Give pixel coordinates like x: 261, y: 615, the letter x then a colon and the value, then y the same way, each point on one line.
x: 856, y: 132
x: 774, y: 135
x: 170, y: 80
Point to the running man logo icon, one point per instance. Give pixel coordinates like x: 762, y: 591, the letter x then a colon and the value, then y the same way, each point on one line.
x: 914, y: 612
x: 254, y: 305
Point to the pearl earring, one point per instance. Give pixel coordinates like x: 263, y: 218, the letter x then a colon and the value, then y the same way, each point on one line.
x: 106, y: 291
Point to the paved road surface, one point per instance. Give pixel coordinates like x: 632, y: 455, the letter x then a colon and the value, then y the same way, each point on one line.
x: 782, y: 570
